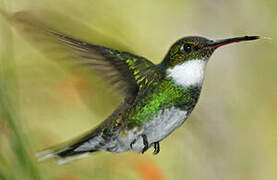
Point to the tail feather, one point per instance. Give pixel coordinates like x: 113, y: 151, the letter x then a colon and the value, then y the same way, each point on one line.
x: 101, y: 138
x: 43, y: 155
x: 92, y: 142
x: 63, y: 155
x: 49, y: 154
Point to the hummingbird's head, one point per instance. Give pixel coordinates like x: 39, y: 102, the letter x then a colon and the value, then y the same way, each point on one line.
x: 198, y: 48
x: 187, y: 58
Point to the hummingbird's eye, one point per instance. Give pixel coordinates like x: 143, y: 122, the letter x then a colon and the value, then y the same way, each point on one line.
x: 187, y: 48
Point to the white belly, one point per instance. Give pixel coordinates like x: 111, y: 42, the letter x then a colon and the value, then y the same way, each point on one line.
x: 163, y: 124
x: 157, y: 129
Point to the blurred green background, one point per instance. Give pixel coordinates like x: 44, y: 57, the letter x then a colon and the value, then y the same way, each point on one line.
x: 232, y: 133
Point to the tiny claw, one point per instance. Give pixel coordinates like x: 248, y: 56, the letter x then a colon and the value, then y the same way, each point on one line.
x: 145, y: 142
x: 132, y: 143
x: 156, y: 148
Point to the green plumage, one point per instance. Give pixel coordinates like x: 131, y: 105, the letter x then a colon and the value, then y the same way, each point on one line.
x: 162, y: 94
x: 158, y: 98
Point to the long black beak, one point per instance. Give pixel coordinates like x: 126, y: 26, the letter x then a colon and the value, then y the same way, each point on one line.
x: 218, y: 43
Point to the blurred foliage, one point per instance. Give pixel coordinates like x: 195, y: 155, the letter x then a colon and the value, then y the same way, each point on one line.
x: 230, y: 135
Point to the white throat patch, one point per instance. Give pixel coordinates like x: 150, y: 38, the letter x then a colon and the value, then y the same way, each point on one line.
x: 188, y: 73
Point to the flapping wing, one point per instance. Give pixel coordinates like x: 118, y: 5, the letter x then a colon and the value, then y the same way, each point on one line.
x: 125, y: 71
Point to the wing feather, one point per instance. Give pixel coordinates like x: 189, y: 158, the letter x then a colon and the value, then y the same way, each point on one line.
x: 127, y: 72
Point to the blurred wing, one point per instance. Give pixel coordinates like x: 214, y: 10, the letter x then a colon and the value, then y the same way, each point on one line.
x: 125, y: 71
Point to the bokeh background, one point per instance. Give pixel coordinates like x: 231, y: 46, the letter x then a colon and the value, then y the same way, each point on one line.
x: 232, y: 133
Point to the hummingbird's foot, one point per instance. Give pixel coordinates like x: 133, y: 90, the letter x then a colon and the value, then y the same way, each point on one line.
x: 156, y: 148
x: 145, y: 142
x: 132, y: 143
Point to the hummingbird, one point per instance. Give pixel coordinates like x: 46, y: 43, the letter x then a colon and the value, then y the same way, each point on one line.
x: 158, y: 98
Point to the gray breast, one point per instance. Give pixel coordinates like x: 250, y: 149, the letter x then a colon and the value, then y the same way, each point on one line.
x: 164, y: 123
x: 158, y: 128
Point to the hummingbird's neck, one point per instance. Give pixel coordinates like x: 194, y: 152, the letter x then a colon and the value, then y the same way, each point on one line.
x: 188, y: 73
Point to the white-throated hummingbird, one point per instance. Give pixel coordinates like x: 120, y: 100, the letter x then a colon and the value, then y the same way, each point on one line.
x: 158, y: 97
